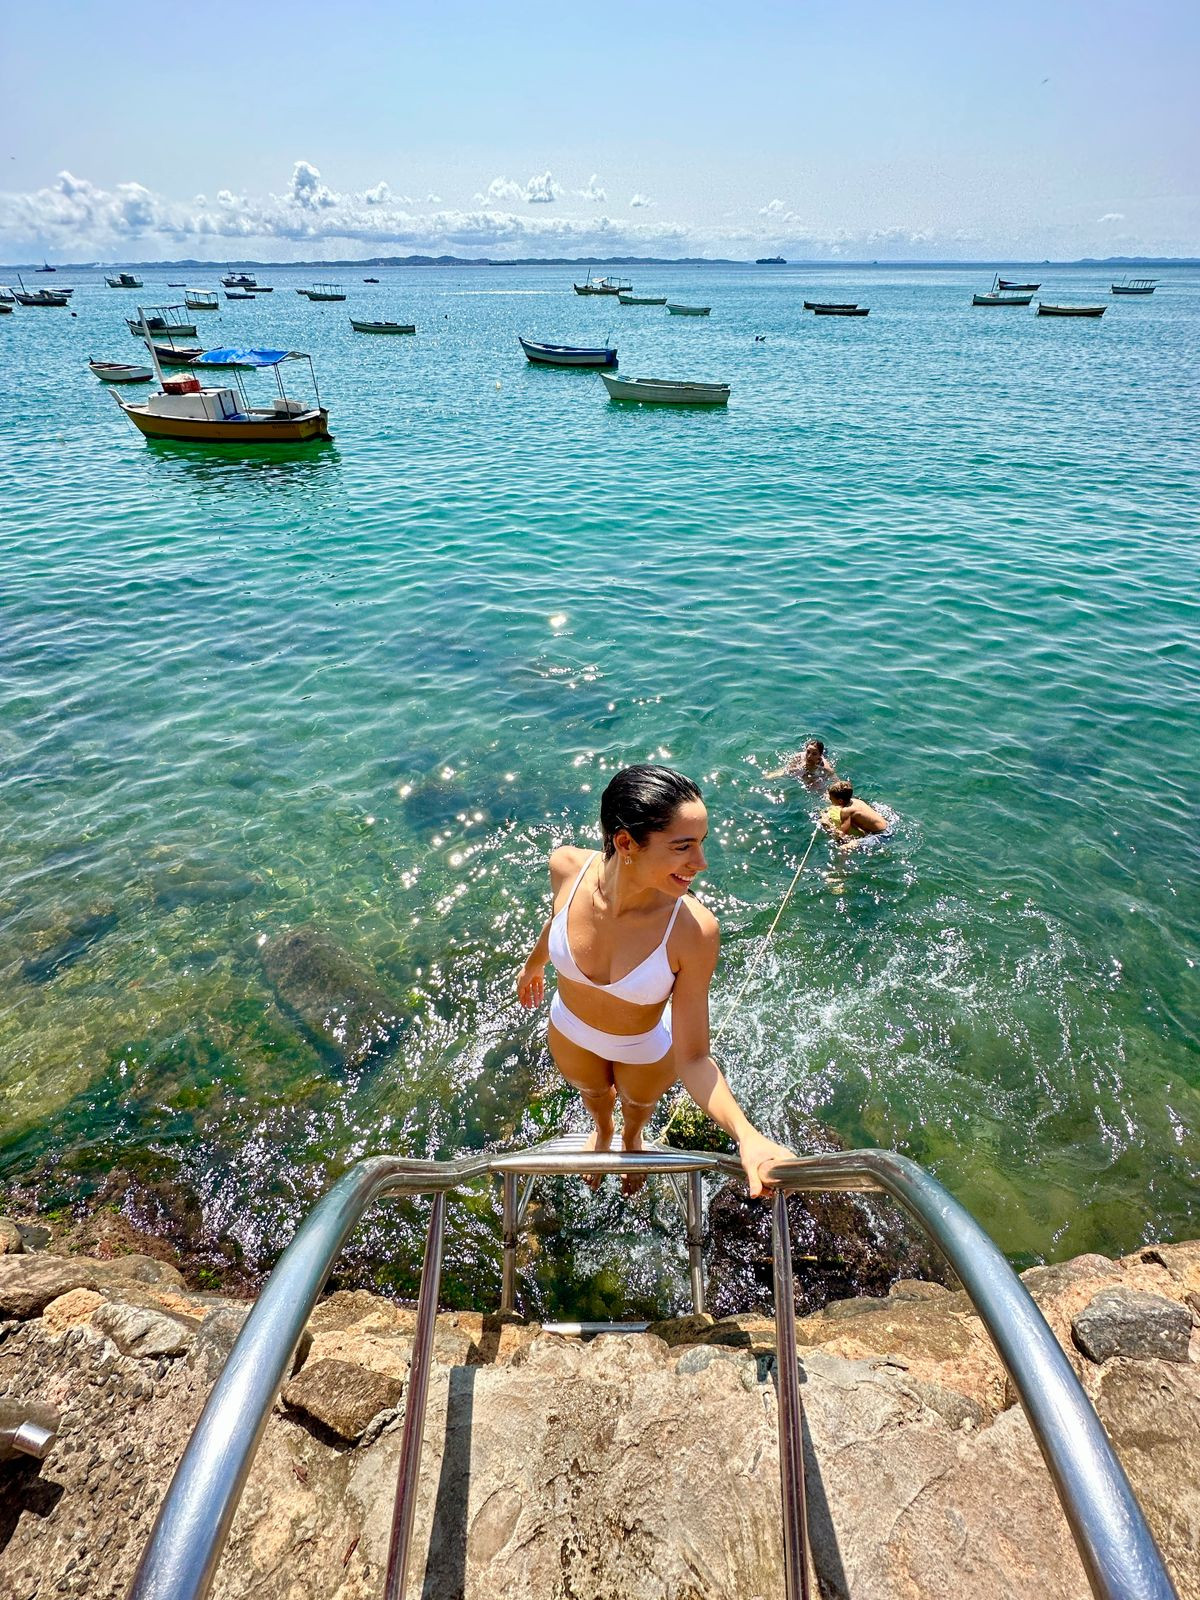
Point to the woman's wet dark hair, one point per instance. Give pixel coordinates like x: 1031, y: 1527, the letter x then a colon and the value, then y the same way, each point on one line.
x: 642, y: 800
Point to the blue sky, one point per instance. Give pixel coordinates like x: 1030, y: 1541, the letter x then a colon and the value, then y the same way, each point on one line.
x: 912, y: 131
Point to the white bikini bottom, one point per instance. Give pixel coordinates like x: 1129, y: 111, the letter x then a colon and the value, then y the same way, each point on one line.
x: 631, y: 1049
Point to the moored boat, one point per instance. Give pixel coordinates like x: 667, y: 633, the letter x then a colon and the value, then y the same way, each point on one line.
x: 604, y: 286
x: 661, y: 391
x: 993, y: 299
x: 831, y: 305
x: 120, y: 372
x: 124, y: 280
x: 687, y: 311
x: 239, y: 294
x: 201, y: 300
x: 239, y: 280
x: 1044, y: 310
x: 370, y: 280
x: 38, y: 297
x: 184, y: 408
x: 1005, y: 283
x: 841, y: 311
x: 383, y: 327
x: 7, y: 297
x: 5, y: 309
x: 326, y: 291
x: 642, y: 299
x: 1135, y: 286
x: 168, y: 320
x: 568, y: 355
x: 176, y: 355
x: 45, y: 267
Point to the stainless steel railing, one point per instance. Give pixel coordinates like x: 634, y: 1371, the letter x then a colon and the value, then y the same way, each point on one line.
x: 180, y: 1559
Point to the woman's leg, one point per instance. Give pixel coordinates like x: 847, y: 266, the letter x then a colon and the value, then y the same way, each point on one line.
x: 640, y: 1089
x: 593, y: 1077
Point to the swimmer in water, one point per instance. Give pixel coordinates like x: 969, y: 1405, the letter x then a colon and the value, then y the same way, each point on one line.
x: 849, y: 819
x: 810, y: 765
x: 635, y: 954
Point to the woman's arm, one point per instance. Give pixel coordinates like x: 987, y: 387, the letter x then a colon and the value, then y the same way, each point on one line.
x: 697, y: 1070
x: 531, y: 982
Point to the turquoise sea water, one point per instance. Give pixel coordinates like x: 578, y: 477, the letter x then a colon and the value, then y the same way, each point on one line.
x: 364, y: 687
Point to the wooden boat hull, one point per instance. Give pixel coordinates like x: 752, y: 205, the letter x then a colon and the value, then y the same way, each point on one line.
x: 565, y: 355
x: 44, y: 299
x: 121, y: 283
x: 1001, y: 299
x: 169, y: 356
x: 642, y: 299
x: 383, y: 327
x: 258, y: 430
x: 1003, y: 283
x: 831, y: 305
x: 656, y: 391
x: 118, y: 372
x: 202, y: 305
x: 313, y: 296
x: 1121, y: 288
x: 5, y: 310
x: 688, y: 311
x: 1071, y: 311
x: 841, y: 311
x: 591, y: 288
x: 238, y: 294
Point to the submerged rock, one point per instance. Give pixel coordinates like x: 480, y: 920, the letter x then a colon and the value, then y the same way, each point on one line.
x: 70, y: 945
x: 337, y: 1003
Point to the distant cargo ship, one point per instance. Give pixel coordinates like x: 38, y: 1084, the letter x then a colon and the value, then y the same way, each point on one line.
x: 771, y: 261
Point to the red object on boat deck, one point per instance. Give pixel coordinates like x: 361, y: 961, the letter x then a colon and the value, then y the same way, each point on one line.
x: 188, y: 385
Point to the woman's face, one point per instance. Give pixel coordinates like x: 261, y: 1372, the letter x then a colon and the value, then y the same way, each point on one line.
x: 672, y: 857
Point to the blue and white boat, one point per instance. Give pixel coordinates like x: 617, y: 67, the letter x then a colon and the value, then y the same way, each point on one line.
x: 568, y: 355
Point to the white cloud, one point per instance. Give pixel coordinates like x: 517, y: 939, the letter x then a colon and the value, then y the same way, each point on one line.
x: 593, y: 191
x: 541, y: 190
x: 307, y: 188
x: 1111, y: 216
x: 639, y: 202
x: 773, y: 208
x: 433, y: 199
x: 76, y: 217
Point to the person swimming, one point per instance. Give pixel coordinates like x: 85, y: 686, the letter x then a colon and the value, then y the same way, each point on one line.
x: 849, y: 819
x: 626, y: 915
x: 810, y: 765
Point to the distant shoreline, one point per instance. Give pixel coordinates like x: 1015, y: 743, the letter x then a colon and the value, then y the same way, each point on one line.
x: 226, y: 262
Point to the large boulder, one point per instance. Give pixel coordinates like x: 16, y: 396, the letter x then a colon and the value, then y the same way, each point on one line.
x: 28, y: 1283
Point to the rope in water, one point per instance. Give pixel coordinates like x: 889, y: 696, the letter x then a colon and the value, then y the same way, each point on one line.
x: 750, y: 971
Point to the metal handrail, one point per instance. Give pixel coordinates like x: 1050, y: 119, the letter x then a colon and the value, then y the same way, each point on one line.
x: 1114, y: 1541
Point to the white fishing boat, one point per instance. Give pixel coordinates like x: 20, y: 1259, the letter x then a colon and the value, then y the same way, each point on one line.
x: 120, y: 372
x: 124, y: 280
x: 615, y: 286
x: 661, y: 391
x: 162, y: 321
x: 568, y: 355
x: 688, y: 311
x: 239, y: 280
x: 201, y: 300
x: 383, y: 327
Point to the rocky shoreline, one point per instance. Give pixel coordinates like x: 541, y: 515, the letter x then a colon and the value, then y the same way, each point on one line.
x: 634, y: 1465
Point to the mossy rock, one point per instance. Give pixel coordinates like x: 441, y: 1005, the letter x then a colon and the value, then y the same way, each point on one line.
x: 691, y: 1129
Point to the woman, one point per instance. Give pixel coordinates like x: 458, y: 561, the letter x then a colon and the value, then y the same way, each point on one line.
x: 635, y: 955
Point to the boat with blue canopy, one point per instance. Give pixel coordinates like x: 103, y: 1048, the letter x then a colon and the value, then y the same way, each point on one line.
x: 184, y: 407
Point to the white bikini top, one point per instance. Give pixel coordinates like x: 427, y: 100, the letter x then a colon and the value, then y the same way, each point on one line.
x: 650, y: 982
